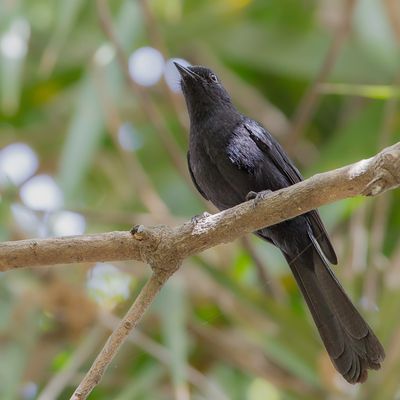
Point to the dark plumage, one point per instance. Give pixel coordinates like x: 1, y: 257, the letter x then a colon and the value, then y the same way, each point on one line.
x: 231, y: 155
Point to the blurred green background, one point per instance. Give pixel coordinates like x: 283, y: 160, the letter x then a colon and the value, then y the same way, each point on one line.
x: 93, y: 138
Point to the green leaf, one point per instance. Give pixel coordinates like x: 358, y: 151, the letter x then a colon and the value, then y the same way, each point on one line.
x: 144, y: 383
x: 83, y: 137
x: 260, y: 389
x: 380, y: 92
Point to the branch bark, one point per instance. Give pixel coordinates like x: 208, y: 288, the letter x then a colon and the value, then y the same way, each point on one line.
x: 162, y: 245
x: 122, y: 331
x: 165, y: 248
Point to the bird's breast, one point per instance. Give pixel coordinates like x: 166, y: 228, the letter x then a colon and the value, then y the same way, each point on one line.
x: 205, y: 162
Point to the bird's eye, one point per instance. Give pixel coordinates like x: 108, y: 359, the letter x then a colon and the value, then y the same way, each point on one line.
x: 213, y: 78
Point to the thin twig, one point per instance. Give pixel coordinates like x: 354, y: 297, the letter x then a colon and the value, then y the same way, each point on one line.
x: 148, y: 195
x: 393, y: 13
x: 381, y: 208
x: 380, y: 216
x: 162, y: 354
x: 149, y: 109
x: 63, y: 378
x: 120, y: 334
x: 359, y: 240
x: 248, y: 97
x: 270, y: 285
x: 156, y: 39
x: 392, y: 274
x: 248, y: 356
x: 309, y: 102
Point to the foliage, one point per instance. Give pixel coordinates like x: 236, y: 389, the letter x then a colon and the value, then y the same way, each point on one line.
x: 217, y: 331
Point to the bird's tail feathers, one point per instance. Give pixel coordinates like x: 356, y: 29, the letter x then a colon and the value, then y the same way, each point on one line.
x: 350, y: 342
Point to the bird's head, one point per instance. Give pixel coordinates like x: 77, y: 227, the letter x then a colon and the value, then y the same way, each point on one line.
x: 202, y: 89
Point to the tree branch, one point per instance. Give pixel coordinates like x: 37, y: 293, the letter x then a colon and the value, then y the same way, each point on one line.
x: 309, y: 101
x: 164, y: 248
x: 122, y: 331
x: 162, y: 245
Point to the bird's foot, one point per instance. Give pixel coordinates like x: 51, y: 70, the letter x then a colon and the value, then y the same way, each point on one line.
x: 197, y: 218
x: 258, y: 196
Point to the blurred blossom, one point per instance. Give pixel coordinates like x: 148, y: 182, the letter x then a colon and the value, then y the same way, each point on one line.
x: 18, y: 162
x: 368, y: 304
x: 171, y: 74
x: 128, y: 137
x: 104, y: 54
x: 42, y: 193
x: 67, y: 223
x: 146, y: 66
x: 13, y: 44
x: 29, y: 390
x: 26, y: 219
x: 107, y: 285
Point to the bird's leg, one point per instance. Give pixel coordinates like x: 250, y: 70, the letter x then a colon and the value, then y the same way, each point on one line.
x: 258, y: 196
x: 197, y: 218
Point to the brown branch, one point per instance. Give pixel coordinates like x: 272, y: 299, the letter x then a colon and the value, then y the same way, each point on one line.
x: 247, y: 96
x: 162, y: 245
x: 61, y: 379
x: 156, y: 39
x: 164, y: 248
x: 270, y: 285
x: 250, y: 357
x: 309, y: 102
x: 393, y: 14
x: 151, y: 112
x: 134, y: 169
x: 122, y: 331
x: 203, y: 383
x: 86, y: 248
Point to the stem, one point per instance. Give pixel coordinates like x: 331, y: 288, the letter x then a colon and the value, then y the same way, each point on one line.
x: 120, y: 334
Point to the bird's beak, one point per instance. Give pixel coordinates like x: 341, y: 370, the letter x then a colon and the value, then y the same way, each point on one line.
x: 184, y: 71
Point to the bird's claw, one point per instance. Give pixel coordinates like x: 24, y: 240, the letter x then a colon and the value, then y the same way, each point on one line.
x: 258, y: 196
x: 197, y: 218
x: 251, y: 195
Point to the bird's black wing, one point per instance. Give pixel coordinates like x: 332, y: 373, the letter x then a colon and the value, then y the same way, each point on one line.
x: 273, y: 150
x: 193, y: 178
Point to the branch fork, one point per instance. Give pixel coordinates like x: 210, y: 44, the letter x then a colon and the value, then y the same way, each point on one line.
x: 164, y: 248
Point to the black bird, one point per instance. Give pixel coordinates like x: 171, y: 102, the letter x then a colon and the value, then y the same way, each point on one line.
x: 231, y: 158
